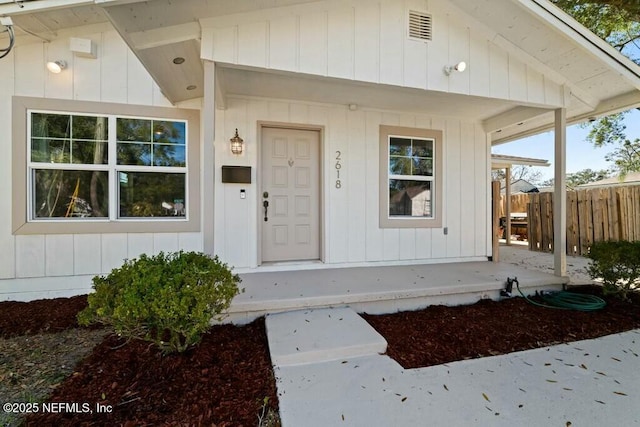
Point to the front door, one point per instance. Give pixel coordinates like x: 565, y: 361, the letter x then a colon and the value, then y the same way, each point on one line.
x: 290, y: 199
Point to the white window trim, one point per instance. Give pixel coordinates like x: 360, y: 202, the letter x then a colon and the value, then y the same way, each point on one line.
x: 112, y: 167
x: 422, y: 178
x: 22, y: 201
x: 388, y: 221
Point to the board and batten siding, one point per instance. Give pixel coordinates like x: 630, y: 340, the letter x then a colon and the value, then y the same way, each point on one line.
x: 41, y: 266
x: 368, y: 41
x: 351, y: 231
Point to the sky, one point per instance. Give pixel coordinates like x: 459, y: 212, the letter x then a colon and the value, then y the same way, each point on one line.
x: 580, y: 153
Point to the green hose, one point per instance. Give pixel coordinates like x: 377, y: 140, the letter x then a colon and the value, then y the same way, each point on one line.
x: 564, y: 300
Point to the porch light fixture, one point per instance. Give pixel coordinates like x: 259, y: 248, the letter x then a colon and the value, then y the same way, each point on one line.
x: 460, y: 67
x: 56, y: 66
x: 236, y: 144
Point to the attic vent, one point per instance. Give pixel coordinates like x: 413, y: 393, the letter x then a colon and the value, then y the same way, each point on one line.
x: 419, y: 25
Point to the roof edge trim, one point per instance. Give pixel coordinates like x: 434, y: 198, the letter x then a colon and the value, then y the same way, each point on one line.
x: 552, y: 11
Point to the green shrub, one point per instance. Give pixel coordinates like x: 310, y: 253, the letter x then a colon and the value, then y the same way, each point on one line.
x: 617, y: 264
x: 167, y: 299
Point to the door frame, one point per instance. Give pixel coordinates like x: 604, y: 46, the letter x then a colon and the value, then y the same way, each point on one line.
x: 322, y: 196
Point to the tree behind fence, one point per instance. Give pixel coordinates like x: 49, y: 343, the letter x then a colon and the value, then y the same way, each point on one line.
x: 593, y: 215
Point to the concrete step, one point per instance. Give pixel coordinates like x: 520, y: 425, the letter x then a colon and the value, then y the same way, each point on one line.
x: 313, y: 336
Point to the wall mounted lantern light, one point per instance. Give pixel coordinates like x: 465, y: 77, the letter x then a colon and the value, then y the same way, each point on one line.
x: 56, y: 66
x: 460, y: 67
x: 237, y: 144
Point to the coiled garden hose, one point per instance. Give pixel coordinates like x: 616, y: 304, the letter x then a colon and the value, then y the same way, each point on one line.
x: 565, y: 300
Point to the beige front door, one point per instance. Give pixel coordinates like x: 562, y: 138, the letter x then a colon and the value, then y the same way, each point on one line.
x: 290, y: 196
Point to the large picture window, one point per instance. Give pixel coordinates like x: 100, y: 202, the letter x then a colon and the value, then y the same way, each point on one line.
x: 90, y: 170
x: 410, y: 162
x: 70, y: 170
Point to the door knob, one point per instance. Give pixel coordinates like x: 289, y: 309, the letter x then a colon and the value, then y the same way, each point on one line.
x: 266, y: 208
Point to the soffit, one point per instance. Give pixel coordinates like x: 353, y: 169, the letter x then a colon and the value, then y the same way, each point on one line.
x: 47, y: 25
x: 243, y: 81
x: 156, y: 30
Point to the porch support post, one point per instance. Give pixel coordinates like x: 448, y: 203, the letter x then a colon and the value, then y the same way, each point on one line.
x: 507, y: 204
x: 208, y: 156
x: 560, y: 194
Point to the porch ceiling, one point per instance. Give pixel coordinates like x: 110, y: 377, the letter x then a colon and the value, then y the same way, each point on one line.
x: 294, y: 86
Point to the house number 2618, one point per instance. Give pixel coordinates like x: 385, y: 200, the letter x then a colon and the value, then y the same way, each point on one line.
x: 338, y: 167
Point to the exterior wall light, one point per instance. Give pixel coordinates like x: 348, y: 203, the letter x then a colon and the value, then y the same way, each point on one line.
x: 56, y: 66
x: 460, y: 67
x: 237, y: 144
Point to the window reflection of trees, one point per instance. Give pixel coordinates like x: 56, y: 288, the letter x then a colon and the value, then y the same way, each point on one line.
x: 410, y: 157
x: 152, y: 194
x: 79, y: 140
x: 151, y: 143
x: 58, y: 138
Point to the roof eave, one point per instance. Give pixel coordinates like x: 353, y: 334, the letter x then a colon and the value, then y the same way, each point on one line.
x: 564, y: 23
x: 501, y: 161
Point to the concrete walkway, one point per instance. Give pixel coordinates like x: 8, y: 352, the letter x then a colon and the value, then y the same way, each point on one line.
x: 330, y: 372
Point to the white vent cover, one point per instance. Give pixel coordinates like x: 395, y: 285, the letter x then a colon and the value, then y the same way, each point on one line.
x: 419, y: 25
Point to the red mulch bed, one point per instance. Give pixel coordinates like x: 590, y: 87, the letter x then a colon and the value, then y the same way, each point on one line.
x: 223, y: 381
x: 440, y: 334
x: 47, y: 315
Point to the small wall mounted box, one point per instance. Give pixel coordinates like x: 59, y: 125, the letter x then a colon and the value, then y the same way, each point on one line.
x: 236, y: 174
x: 84, y: 48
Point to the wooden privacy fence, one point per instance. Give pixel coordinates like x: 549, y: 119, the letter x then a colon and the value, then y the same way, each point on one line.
x: 594, y: 215
x: 519, y: 203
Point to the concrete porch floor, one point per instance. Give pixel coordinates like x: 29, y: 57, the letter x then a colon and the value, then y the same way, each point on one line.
x: 382, y: 289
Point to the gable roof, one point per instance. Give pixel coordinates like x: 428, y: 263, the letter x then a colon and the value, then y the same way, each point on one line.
x: 598, y: 79
x: 518, y: 186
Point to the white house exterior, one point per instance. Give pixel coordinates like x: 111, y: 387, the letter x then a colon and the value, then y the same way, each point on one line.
x: 340, y: 104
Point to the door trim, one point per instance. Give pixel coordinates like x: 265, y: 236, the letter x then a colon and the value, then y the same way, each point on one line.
x: 261, y: 125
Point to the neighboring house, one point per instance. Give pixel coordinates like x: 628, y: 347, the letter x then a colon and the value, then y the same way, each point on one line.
x: 632, y: 178
x: 414, y: 201
x: 367, y: 128
x: 519, y: 186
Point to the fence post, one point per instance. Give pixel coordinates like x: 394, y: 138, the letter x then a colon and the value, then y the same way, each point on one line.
x: 533, y: 215
x: 636, y: 204
x: 573, y: 237
x: 547, y: 222
x: 495, y: 198
x: 614, y: 217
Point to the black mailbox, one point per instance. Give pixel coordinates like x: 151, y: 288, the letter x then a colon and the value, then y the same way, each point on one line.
x: 236, y: 174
